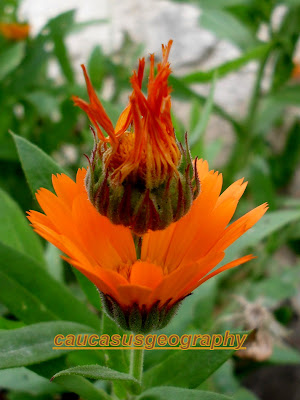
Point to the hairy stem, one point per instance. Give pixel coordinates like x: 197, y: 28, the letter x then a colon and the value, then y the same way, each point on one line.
x: 136, y: 363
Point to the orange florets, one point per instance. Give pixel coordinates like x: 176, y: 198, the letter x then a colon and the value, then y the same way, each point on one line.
x: 143, y: 142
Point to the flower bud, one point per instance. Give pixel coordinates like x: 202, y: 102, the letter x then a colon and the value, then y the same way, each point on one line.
x: 140, y: 176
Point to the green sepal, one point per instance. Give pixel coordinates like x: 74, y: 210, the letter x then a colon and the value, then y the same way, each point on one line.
x: 138, y: 207
x: 136, y: 319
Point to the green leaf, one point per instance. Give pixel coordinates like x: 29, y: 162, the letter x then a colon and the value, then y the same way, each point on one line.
x: 181, y: 90
x: 55, y: 265
x: 96, y: 67
x: 195, y: 309
x: 81, y: 386
x: 33, y: 344
x: 72, y: 383
x: 225, y: 26
x: 278, y: 287
x: 11, y: 58
x: 197, y: 134
x: 292, y: 3
x: 273, y: 105
x: 284, y: 355
x: 212, y: 150
x: 256, y: 53
x: 88, y: 288
x: 59, y: 27
x: 118, y: 360
x: 270, y: 223
x: 37, y: 296
x: 99, y: 372
x: 61, y: 52
x: 222, y: 3
x: 284, y: 165
x: 22, y: 379
x: 45, y: 104
x: 78, y: 26
x: 37, y: 165
x: 174, y: 393
x: 62, y: 24
x: 15, y: 231
x: 262, y: 188
x: 10, y: 324
x: 182, y: 368
x: 244, y: 394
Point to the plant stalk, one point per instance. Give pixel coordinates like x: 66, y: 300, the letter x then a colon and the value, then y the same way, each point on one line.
x: 136, y: 363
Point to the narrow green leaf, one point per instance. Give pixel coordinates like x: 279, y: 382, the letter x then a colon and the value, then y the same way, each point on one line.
x: 225, y: 26
x: 197, y: 134
x: 181, y: 90
x: 284, y: 355
x: 63, y: 23
x: 79, y: 26
x: 10, y: 324
x: 174, y: 393
x: 118, y: 360
x: 273, y: 105
x: 61, y: 53
x: 96, y: 67
x: 37, y: 165
x: 98, y: 372
x: 233, y: 65
x: 73, y: 383
x: 34, y: 343
x: 262, y: 187
x: 46, y: 104
x: 23, y: 380
x: 11, y: 58
x: 270, y: 223
x: 182, y: 368
x: 244, y: 394
x: 89, y: 289
x: 54, y: 261
x: 15, y: 231
x: 81, y: 386
x: 37, y: 296
x: 223, y: 3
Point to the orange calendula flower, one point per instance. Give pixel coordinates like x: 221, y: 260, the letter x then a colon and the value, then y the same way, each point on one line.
x: 139, y: 175
x: 14, y: 30
x: 142, y: 291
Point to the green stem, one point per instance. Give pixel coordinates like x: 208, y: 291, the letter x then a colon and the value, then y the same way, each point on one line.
x: 136, y: 363
x: 256, y: 93
x: 241, y: 153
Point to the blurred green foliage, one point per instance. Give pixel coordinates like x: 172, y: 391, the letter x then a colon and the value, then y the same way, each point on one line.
x: 37, y: 107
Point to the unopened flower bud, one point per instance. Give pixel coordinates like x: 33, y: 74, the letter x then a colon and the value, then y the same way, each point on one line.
x: 139, y: 175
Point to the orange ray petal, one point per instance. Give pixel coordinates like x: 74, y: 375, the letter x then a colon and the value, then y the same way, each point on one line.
x: 65, y: 188
x: 109, y: 244
x: 239, y: 227
x: 146, y: 274
x: 131, y: 294
x: 232, y: 264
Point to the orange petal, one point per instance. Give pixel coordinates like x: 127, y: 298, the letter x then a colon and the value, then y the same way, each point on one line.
x: 232, y: 264
x: 239, y: 227
x: 104, y: 280
x: 133, y: 294
x: 109, y: 244
x: 198, y: 216
x: 123, y: 120
x: 146, y: 274
x: 65, y: 188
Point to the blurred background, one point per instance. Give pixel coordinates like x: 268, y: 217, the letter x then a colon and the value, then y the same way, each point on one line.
x: 236, y: 91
